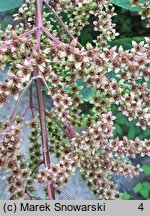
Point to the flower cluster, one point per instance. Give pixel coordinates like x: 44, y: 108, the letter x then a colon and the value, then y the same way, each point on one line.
x: 79, y: 125
x: 19, y: 73
x: 15, y: 162
x: 102, y: 10
x: 131, y: 66
x: 144, y: 10
x: 16, y: 181
x: 127, y: 147
x: 99, y: 132
x: 35, y: 149
x: 96, y: 166
x: 10, y: 143
x: 95, y: 171
x: 58, y: 173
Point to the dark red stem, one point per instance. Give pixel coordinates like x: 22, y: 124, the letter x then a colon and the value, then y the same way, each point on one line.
x: 38, y: 4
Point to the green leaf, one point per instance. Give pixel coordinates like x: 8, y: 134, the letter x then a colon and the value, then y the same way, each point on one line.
x: 120, y: 119
x: 145, y: 193
x: 86, y: 36
x: 114, y: 109
x: 118, y: 129
x: 3, y: 26
x: 126, y: 4
x: 6, y: 5
x: 131, y: 133
x: 126, y: 43
x: 146, y: 169
x: 146, y: 133
x: 146, y: 185
x: 86, y: 93
x: 138, y: 188
x: 125, y: 196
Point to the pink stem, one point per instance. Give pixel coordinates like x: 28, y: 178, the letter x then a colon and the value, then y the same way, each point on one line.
x: 25, y: 112
x: 19, y: 100
x: 61, y: 23
x: 71, y: 131
x: 45, y: 30
x: 40, y: 97
x: 9, y: 42
x: 64, y: 192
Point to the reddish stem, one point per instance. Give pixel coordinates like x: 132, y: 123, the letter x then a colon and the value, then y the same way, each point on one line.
x: 36, y: 167
x: 19, y: 100
x: 71, y: 131
x: 54, y: 39
x: 64, y: 192
x: 40, y: 96
x: 61, y: 23
x: 25, y: 112
x: 9, y: 42
x: 31, y: 103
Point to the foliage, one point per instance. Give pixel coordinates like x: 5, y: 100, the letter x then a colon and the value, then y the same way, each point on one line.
x: 86, y: 93
x: 99, y: 93
x: 125, y: 42
x: 127, y: 4
x: 126, y: 196
x: 9, y: 5
x: 146, y: 169
x: 143, y: 189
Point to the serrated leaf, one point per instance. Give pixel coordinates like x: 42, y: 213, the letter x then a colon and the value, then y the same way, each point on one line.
x: 132, y: 133
x: 138, y: 188
x: 86, y: 36
x: 146, y: 185
x: 114, y: 133
x: 146, y: 169
x: 118, y: 129
x: 145, y: 193
x: 3, y: 26
x: 146, y: 133
x: 141, y: 137
x: 125, y: 196
x: 120, y: 119
x: 126, y: 43
x: 126, y: 4
x: 86, y: 93
x: 6, y: 5
x: 114, y: 109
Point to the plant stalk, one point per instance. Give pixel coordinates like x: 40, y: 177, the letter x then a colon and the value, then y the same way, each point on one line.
x: 61, y: 23
x: 9, y: 42
x: 38, y: 5
x: 19, y: 100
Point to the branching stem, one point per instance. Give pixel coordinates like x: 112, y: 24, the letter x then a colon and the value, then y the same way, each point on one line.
x: 36, y: 167
x: 9, y: 42
x: 30, y: 196
x: 38, y: 5
x: 57, y: 17
x: 19, y: 100
x: 61, y: 23
x: 31, y: 102
x: 45, y: 30
x: 64, y: 192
